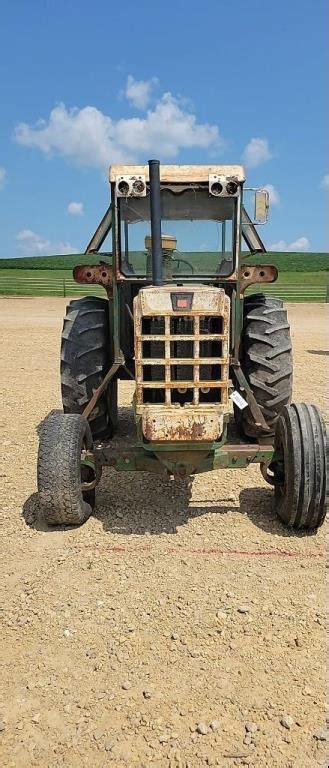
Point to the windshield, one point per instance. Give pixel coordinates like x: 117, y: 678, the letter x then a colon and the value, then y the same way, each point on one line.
x: 197, y: 234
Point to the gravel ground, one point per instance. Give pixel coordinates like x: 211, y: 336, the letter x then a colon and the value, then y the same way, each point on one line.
x: 182, y: 625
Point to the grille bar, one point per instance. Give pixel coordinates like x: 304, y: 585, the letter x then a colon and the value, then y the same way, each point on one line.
x: 183, y: 337
x: 184, y: 384
x: 185, y: 360
x: 196, y: 369
x: 167, y: 364
x: 182, y: 360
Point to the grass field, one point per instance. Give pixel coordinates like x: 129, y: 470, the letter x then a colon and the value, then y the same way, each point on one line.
x: 292, y: 286
x: 43, y: 282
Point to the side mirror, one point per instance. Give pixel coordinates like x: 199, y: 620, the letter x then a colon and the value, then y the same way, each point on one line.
x: 262, y: 204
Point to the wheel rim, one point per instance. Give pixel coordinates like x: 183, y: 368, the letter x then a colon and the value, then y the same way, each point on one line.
x: 88, y: 478
x: 277, y: 468
x: 88, y: 473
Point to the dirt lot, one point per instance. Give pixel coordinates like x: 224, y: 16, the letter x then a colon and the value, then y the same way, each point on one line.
x: 179, y: 626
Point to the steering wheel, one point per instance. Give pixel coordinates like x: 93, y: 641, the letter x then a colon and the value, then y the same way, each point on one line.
x: 183, y: 261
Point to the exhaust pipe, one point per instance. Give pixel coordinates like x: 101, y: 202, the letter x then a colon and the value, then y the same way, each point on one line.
x: 155, y: 202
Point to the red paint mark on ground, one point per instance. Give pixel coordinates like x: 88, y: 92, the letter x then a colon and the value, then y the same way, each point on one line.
x: 257, y: 552
x: 212, y: 551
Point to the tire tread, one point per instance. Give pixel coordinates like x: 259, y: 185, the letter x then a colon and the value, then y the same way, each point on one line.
x: 85, y: 359
x: 266, y: 359
x: 301, y: 436
x: 58, y: 470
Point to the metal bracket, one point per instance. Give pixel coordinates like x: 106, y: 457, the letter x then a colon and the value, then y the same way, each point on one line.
x: 249, y: 395
x: 250, y: 234
x: 101, y: 232
x: 99, y: 391
x: 256, y: 273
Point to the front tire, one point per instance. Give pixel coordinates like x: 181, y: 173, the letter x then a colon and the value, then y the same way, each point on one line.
x: 300, y: 467
x: 60, y: 472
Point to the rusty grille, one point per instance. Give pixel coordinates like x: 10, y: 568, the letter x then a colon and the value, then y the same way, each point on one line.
x: 182, y: 360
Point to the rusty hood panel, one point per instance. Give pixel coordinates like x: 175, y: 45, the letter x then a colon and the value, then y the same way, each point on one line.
x: 181, y: 424
x: 207, y: 299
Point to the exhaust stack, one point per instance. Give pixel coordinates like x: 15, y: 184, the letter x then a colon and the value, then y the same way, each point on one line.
x: 155, y: 203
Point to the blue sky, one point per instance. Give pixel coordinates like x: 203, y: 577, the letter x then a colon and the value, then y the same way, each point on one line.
x: 185, y: 81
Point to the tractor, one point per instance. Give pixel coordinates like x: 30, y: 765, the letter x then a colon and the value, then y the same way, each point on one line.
x: 211, y: 362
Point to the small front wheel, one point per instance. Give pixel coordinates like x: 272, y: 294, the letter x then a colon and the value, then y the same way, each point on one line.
x: 300, y: 466
x: 64, y: 482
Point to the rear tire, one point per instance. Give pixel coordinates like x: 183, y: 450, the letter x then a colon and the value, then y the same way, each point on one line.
x: 85, y: 360
x: 266, y: 360
x: 300, y: 467
x: 60, y: 474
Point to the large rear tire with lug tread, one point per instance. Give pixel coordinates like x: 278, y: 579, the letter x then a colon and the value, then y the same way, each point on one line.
x: 300, y: 466
x: 85, y: 360
x: 63, y: 437
x: 266, y: 361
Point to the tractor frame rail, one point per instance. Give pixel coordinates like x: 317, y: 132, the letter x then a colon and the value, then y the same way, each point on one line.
x: 180, y: 460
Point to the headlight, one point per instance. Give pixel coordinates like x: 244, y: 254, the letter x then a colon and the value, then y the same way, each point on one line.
x: 123, y: 188
x: 138, y: 187
x: 216, y: 188
x: 222, y: 186
x: 231, y: 187
x: 131, y: 186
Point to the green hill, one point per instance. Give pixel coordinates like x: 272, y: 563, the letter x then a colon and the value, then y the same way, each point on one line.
x: 51, y: 262
x: 286, y: 262
x: 293, y: 262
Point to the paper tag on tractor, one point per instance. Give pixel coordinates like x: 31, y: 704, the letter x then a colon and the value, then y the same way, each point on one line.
x: 238, y: 400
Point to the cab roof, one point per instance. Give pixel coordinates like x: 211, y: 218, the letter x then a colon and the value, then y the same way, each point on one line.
x: 179, y: 173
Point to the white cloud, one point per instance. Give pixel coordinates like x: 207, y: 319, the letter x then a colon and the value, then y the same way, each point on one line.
x: 89, y: 137
x: 3, y: 174
x: 273, y: 194
x: 32, y: 244
x: 76, y: 209
x: 256, y: 152
x: 301, y: 244
x: 325, y: 182
x: 138, y: 92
